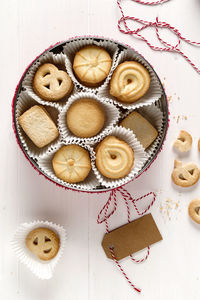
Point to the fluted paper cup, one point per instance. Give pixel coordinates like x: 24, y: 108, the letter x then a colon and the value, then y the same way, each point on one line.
x: 47, y: 57
x: 153, y: 94
x: 139, y: 153
x: 72, y: 47
x: 45, y: 164
x: 24, y: 102
x: 42, y: 269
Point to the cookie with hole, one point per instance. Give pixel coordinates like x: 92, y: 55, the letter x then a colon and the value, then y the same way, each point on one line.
x: 114, y: 157
x: 43, y: 242
x: 185, y: 175
x: 194, y: 210
x: 52, y: 84
x: 183, y: 142
x: 130, y: 82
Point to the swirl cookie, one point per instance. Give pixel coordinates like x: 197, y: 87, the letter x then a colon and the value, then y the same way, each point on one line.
x: 51, y: 84
x: 185, y: 175
x: 114, y: 158
x: 85, y: 118
x: 183, y: 142
x: 130, y: 81
x: 71, y: 163
x: 43, y: 242
x: 194, y: 210
x: 92, y: 65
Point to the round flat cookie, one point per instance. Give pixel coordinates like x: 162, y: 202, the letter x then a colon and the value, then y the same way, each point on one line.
x: 43, y: 242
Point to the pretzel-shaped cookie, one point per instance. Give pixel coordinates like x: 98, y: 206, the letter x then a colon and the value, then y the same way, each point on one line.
x: 194, y: 210
x: 183, y: 142
x: 185, y: 175
x: 51, y: 84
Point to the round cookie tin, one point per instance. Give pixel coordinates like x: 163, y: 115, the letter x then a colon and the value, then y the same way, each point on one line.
x: 123, y: 50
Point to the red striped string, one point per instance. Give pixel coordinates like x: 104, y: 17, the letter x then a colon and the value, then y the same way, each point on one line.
x: 157, y: 24
x: 112, y: 201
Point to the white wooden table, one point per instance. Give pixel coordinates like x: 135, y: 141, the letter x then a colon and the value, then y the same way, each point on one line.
x: 172, y: 270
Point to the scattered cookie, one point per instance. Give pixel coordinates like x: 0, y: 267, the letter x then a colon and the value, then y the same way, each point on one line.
x: 194, y: 210
x: 38, y: 125
x: 52, y: 84
x: 43, y: 242
x: 71, y: 163
x: 185, y: 175
x: 183, y: 142
x: 199, y: 144
x: 114, y: 157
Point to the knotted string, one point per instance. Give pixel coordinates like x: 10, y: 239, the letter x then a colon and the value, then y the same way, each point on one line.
x: 157, y: 24
x: 112, y: 200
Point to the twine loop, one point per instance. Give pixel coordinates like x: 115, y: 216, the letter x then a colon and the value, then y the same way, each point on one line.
x: 168, y: 47
x: 104, y: 215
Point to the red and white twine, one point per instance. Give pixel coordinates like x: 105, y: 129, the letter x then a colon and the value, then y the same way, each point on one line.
x: 157, y: 24
x: 112, y: 200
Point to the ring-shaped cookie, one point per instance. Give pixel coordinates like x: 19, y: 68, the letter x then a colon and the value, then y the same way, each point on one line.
x: 183, y: 142
x: 194, y: 210
x: 130, y: 81
x: 114, y: 158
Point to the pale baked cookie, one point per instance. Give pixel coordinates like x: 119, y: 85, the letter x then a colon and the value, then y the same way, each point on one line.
x: 141, y: 127
x: 71, y: 163
x: 130, y: 81
x: 194, y: 210
x: 92, y: 65
x: 43, y: 242
x: 185, y: 175
x: 183, y: 142
x: 85, y: 118
x: 52, y: 84
x: 199, y: 144
x: 38, y: 126
x: 114, y: 158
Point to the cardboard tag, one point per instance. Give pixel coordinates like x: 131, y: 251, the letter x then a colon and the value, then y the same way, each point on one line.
x: 131, y: 237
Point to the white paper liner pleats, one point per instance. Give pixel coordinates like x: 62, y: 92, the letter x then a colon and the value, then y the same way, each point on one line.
x: 140, y: 156
x: 114, y: 112
x: 45, y: 164
x: 42, y: 269
x: 74, y: 46
x: 153, y: 94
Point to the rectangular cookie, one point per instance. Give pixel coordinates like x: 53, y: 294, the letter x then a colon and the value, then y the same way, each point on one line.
x: 38, y: 126
x: 141, y: 127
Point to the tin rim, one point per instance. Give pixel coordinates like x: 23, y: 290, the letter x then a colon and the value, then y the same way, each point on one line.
x: 57, y: 48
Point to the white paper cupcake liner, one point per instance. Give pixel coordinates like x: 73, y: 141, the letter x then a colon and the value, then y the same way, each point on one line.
x: 111, y: 118
x: 45, y: 164
x: 24, y: 102
x: 72, y: 47
x: 153, y: 94
x: 155, y: 116
x: 47, y: 57
x: 42, y: 269
x: 139, y: 153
